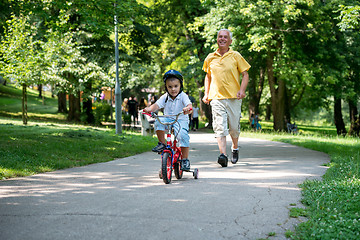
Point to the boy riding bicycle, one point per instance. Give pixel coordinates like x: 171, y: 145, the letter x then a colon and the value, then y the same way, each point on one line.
x: 173, y: 102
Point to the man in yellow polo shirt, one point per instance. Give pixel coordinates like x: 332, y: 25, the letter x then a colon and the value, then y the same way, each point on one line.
x: 224, y: 93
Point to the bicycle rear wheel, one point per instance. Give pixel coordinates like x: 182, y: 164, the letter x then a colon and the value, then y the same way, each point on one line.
x: 166, y: 167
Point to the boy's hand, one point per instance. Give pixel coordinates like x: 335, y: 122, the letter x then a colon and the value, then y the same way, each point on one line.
x: 187, y: 110
x: 147, y: 110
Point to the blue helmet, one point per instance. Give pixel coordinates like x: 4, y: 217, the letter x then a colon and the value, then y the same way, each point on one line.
x: 173, y: 73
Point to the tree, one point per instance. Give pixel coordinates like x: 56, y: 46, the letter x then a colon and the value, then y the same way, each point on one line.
x: 335, y: 51
x: 90, y: 26
x: 349, y: 16
x: 265, y: 33
x: 182, y: 47
x: 21, y: 55
x: 349, y: 25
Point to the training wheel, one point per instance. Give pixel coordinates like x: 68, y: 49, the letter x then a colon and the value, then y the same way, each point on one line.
x: 196, y: 173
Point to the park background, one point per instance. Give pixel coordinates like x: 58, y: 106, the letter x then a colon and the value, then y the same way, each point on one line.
x: 305, y: 69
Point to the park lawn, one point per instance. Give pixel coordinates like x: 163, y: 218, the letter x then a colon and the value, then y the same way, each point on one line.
x: 42, y: 147
x: 43, y: 109
x: 333, y: 203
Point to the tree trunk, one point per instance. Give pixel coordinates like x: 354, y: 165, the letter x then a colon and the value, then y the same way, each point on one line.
x: 277, y: 96
x: 287, y: 107
x: 354, y: 119
x: 24, y: 105
x: 268, y: 112
x: 87, y: 104
x: 255, y: 92
x: 40, y: 90
x: 74, y: 108
x: 62, y: 102
x: 338, y: 117
x: 206, y: 109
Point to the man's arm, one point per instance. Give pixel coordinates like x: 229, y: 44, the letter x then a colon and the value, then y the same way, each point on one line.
x: 244, y: 82
x: 207, y: 88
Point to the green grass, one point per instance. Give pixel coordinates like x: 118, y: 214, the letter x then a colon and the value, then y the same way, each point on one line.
x: 49, y: 143
x: 38, y: 109
x: 36, y: 148
x: 297, y: 212
x: 333, y: 203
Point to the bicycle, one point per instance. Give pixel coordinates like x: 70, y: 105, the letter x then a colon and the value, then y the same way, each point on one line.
x: 171, y: 156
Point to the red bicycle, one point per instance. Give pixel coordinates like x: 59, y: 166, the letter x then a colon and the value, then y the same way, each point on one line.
x: 171, y: 156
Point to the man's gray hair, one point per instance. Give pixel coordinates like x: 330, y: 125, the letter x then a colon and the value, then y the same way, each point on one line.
x: 224, y: 29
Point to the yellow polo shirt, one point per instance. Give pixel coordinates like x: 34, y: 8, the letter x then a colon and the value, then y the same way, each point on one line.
x: 225, y: 73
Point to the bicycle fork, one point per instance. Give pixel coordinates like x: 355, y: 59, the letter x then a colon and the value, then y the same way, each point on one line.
x: 175, y: 155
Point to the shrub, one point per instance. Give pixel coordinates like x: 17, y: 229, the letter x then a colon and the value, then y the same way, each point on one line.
x: 126, y: 118
x: 101, y: 112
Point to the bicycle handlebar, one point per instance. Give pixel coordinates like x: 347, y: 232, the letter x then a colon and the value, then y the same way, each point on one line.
x: 154, y: 115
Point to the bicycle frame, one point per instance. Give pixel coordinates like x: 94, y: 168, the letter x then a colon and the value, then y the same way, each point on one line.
x: 172, y: 147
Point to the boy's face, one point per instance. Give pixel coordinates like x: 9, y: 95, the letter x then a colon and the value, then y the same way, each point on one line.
x: 173, y: 86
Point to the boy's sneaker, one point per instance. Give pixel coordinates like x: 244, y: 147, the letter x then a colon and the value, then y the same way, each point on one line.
x: 235, y: 156
x: 185, y: 165
x: 159, y: 148
x: 223, y: 160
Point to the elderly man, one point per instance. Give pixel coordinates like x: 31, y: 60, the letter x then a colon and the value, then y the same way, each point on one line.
x: 224, y: 93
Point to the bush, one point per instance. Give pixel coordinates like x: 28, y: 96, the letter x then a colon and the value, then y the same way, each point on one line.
x: 101, y: 112
x: 126, y: 118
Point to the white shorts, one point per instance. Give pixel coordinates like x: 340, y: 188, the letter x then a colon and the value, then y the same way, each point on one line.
x: 226, y: 115
x: 182, y: 128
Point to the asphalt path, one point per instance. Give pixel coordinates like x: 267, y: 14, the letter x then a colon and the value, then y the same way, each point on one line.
x: 125, y: 199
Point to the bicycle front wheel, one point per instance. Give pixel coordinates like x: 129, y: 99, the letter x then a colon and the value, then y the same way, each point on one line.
x: 166, y: 167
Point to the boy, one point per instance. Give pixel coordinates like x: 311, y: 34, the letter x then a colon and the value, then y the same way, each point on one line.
x: 173, y: 102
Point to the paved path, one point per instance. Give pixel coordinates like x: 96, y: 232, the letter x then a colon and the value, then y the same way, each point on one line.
x: 125, y: 199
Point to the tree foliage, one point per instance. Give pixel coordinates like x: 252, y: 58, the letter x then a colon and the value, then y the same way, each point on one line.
x: 304, y: 54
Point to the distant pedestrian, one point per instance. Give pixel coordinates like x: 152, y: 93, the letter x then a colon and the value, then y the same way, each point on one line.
x: 143, y: 103
x: 124, y: 106
x: 192, y: 99
x: 255, y: 124
x: 133, y: 106
x: 195, y: 118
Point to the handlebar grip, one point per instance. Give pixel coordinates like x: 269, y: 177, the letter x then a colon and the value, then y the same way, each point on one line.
x: 142, y: 112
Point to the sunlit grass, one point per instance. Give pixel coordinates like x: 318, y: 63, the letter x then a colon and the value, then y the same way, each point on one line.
x: 333, y: 203
x: 38, y: 108
x: 41, y: 147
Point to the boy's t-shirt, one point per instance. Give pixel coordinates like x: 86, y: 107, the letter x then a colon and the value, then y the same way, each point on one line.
x: 173, y: 107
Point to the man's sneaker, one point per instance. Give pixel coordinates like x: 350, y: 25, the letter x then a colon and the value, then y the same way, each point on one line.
x: 159, y: 148
x: 223, y: 160
x: 235, y: 156
x: 185, y: 165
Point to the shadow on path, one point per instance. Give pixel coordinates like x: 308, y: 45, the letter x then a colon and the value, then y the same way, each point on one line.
x: 125, y: 199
